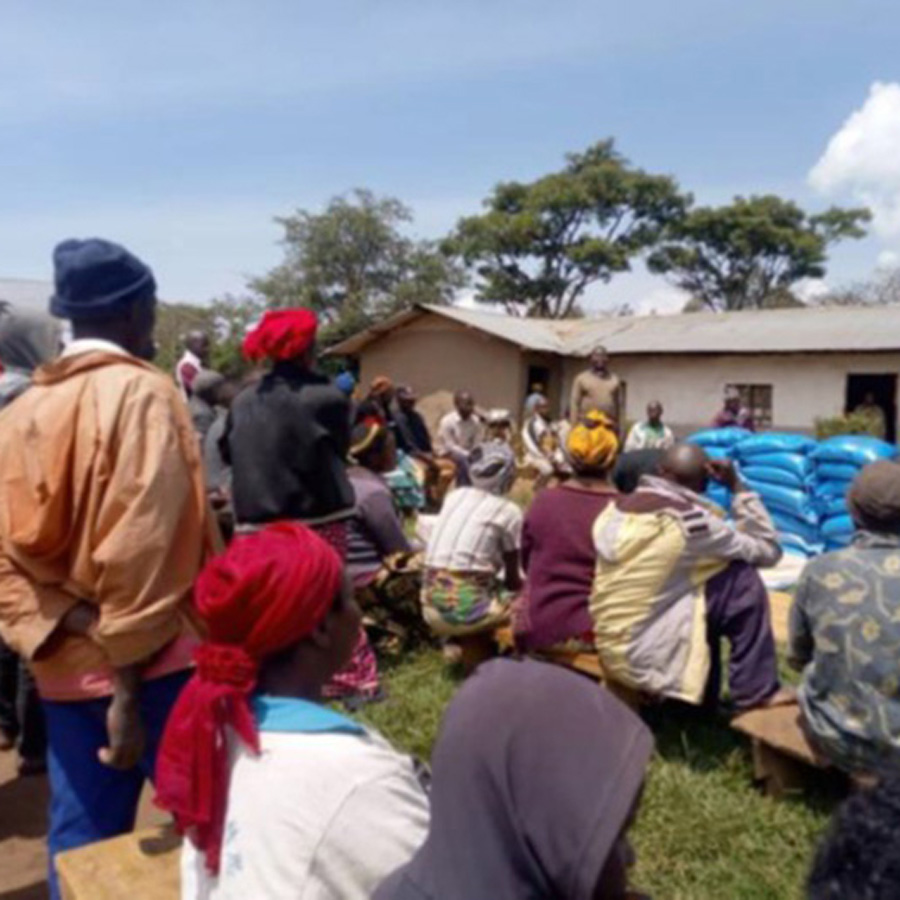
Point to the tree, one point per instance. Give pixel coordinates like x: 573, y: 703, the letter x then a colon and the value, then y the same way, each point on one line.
x: 540, y: 244
x: 738, y: 256
x: 352, y: 264
x: 881, y: 290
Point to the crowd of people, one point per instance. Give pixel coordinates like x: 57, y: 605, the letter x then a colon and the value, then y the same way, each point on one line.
x: 200, y: 577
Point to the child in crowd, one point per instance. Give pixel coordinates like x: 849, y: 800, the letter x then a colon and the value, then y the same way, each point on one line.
x: 277, y: 795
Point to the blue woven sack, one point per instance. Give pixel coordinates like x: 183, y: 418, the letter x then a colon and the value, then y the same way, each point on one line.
x: 719, y: 437
x: 833, y: 471
x: 854, y: 449
x: 775, y: 442
x: 754, y: 474
x: 837, y: 526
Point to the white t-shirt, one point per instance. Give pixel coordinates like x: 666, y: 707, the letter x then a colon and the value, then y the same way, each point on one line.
x: 473, y: 532
x: 318, y: 814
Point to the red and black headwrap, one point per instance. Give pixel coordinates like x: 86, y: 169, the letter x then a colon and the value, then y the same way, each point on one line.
x: 268, y: 591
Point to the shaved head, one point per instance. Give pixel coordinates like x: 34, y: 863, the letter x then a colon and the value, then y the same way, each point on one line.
x: 686, y: 465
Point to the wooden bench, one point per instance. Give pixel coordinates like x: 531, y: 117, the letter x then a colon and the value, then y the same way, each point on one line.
x: 783, y: 758
x: 143, y: 865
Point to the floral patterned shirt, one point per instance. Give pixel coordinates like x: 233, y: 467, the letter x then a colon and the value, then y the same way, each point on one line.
x: 845, y: 630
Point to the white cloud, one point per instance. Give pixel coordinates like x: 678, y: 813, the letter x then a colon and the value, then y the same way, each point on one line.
x: 811, y: 289
x: 862, y: 160
x: 888, y: 259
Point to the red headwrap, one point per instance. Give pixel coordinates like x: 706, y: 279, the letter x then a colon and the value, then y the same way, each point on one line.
x: 282, y: 334
x: 266, y: 592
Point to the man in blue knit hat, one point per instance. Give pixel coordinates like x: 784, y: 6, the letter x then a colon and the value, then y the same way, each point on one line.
x: 103, y: 528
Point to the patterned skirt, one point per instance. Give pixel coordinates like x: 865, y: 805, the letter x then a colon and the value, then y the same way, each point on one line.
x: 459, y: 603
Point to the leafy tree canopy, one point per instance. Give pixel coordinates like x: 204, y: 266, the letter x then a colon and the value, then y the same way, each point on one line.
x: 539, y: 245
x: 743, y: 255
x: 353, y: 265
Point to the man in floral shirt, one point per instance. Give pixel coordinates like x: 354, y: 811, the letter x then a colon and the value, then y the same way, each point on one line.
x: 845, y: 633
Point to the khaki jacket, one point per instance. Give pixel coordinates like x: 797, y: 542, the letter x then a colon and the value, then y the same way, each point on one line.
x: 102, y: 499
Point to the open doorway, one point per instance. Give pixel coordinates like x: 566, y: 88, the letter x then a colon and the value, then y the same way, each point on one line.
x: 538, y: 380
x: 880, y: 390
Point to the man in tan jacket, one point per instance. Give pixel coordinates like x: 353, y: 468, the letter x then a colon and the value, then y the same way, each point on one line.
x: 103, y: 528
x: 597, y: 390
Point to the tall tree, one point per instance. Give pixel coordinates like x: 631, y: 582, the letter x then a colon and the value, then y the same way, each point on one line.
x: 540, y: 245
x: 882, y: 289
x: 743, y: 255
x: 353, y: 265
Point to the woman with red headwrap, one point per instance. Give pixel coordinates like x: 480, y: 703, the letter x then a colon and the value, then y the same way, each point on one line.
x: 287, y: 440
x: 278, y: 796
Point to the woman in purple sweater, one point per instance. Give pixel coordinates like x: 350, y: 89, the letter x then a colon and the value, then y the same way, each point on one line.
x: 558, y: 548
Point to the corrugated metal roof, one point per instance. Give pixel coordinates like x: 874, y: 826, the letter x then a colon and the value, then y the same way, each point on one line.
x: 824, y: 329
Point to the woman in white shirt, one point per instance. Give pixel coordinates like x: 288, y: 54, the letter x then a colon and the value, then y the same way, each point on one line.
x: 278, y: 796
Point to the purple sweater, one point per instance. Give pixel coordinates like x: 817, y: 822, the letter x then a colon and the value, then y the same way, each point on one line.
x: 559, y: 558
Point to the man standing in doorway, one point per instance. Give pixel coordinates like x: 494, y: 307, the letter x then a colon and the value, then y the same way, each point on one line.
x: 877, y: 420
x: 597, y: 390
x: 194, y: 359
x: 653, y: 434
x: 733, y: 413
x: 103, y: 529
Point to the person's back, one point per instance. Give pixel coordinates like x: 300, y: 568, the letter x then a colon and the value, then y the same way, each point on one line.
x: 558, y: 557
x: 845, y: 623
x: 104, y: 527
x: 288, y: 438
x: 320, y: 813
x: 473, y: 531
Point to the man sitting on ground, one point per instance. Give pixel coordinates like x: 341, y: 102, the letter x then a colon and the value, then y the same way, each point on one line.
x: 673, y: 579
x: 845, y: 631
x: 653, y: 434
x: 278, y: 795
x: 459, y: 433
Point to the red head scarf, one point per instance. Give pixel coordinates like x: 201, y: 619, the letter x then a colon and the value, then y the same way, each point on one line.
x: 266, y: 592
x: 281, y: 335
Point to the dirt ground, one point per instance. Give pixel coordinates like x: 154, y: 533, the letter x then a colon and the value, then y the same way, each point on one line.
x: 23, y: 828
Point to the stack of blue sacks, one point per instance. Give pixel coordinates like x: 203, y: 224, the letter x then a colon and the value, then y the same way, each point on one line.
x: 780, y: 468
x: 838, y: 461
x: 719, y: 443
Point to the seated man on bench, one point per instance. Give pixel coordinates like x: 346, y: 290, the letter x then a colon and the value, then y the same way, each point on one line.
x: 673, y: 578
x: 845, y: 634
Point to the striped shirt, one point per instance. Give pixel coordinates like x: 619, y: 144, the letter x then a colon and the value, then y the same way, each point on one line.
x: 473, y: 532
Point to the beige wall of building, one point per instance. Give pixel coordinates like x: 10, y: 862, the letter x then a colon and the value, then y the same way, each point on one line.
x: 804, y: 386
x: 437, y: 356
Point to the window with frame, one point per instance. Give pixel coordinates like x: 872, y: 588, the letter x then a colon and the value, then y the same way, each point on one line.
x: 757, y: 398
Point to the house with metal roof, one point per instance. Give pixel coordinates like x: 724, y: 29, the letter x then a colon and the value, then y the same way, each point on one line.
x: 791, y: 365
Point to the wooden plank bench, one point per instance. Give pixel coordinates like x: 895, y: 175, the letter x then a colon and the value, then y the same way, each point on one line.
x: 142, y: 865
x: 783, y: 759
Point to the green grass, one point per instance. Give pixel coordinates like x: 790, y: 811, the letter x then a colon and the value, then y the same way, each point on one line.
x: 704, y: 832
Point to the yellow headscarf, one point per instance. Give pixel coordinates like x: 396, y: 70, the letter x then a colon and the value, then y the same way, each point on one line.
x: 593, y: 443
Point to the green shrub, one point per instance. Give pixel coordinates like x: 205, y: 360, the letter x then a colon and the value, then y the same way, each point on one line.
x: 850, y: 423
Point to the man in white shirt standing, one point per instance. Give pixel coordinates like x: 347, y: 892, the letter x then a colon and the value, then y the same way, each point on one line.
x: 194, y: 359
x: 459, y: 433
x: 652, y: 434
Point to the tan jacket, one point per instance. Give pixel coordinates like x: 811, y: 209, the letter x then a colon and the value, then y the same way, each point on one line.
x: 101, y: 499
x: 594, y: 393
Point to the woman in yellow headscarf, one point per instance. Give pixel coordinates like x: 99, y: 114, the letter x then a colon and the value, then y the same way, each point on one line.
x: 557, y: 549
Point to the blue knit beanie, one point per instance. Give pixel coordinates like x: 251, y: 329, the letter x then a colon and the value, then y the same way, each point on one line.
x: 346, y: 383
x: 97, y: 279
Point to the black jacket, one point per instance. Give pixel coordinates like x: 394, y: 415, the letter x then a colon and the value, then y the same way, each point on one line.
x: 287, y: 440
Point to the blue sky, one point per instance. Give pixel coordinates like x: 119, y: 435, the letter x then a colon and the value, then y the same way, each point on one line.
x: 182, y: 129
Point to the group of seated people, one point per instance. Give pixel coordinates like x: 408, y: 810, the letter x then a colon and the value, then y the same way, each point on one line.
x: 295, y: 793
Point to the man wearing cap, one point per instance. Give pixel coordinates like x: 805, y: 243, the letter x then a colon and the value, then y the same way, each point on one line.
x: 733, y: 413
x: 103, y: 528
x: 845, y: 631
